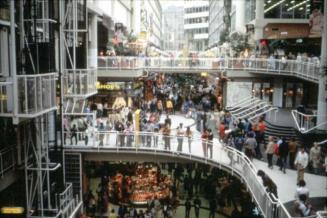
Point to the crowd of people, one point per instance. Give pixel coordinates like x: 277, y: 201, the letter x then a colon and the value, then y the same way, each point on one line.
x: 198, y: 101
x: 196, y: 187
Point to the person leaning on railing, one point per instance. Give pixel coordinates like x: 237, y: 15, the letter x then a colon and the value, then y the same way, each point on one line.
x: 268, y: 183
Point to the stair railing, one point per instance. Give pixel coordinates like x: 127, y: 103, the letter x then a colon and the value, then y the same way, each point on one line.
x: 245, y: 105
x: 306, y: 122
x: 250, y: 109
x: 240, y: 102
x: 264, y: 112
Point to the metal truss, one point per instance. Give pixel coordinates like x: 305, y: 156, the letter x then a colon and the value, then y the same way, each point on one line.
x: 40, y: 191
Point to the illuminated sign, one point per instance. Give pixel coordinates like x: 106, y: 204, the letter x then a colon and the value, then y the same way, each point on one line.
x: 12, y: 210
x: 110, y: 86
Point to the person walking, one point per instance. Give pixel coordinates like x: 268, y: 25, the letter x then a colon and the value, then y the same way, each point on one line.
x: 204, y: 138
x: 210, y: 142
x: 315, y: 156
x: 189, y: 136
x: 197, y: 205
x: 73, y: 134
x: 283, y: 153
x: 301, y: 189
x: 212, y: 207
x: 270, y: 151
x: 250, y: 145
x: 180, y: 137
x: 292, y: 148
x: 187, y: 208
x: 301, y: 162
x: 166, y: 137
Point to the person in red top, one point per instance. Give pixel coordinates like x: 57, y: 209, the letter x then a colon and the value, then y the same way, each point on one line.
x: 221, y: 131
x: 204, y: 138
x: 262, y: 130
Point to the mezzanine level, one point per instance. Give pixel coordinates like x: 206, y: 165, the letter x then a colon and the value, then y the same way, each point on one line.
x: 111, y: 66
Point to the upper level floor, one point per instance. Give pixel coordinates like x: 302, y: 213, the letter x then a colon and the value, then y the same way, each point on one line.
x: 303, y: 70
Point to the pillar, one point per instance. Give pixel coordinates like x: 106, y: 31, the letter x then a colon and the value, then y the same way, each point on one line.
x: 278, y: 92
x: 322, y: 91
x: 259, y: 20
x: 240, y: 16
x: 93, y: 47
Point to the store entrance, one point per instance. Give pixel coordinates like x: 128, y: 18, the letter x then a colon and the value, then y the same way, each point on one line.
x: 163, y: 190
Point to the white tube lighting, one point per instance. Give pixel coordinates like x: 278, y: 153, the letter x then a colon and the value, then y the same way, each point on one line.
x: 274, y: 5
x: 297, y: 5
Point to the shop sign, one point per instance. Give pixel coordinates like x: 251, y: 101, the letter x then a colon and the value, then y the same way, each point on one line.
x: 110, y: 86
x: 12, y: 210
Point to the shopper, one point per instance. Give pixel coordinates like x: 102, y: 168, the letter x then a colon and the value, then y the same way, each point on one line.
x: 166, y: 136
x: 180, y: 137
x: 221, y: 131
x: 197, y: 205
x: 204, y: 138
x: 301, y: 190
x: 301, y: 162
x: 292, y: 147
x: 73, y: 134
x: 212, y: 207
x: 210, y: 142
x: 187, y: 208
x: 283, y: 153
x: 250, y: 145
x: 315, y: 156
x: 268, y: 183
x: 189, y: 136
x: 270, y: 151
x: 303, y: 207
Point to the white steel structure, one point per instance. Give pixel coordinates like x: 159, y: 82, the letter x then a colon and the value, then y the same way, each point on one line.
x: 78, y: 82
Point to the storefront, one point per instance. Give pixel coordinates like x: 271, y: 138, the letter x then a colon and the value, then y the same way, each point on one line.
x: 118, y: 94
x: 263, y: 90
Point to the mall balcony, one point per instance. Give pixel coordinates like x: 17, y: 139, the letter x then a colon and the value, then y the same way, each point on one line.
x: 111, y: 66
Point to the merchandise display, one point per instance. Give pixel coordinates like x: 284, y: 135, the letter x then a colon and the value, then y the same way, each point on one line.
x: 146, y: 184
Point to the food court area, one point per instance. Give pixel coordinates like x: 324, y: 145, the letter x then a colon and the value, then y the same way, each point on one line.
x: 162, y: 190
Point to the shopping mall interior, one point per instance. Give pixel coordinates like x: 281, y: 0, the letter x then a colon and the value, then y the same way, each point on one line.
x: 163, y: 108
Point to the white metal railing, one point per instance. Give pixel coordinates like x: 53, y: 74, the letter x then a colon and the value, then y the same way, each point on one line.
x: 304, y: 70
x: 36, y: 94
x: 321, y: 214
x: 251, y: 108
x: 194, y: 149
x: 80, y: 82
x: 6, y: 95
x: 7, y: 160
x: 268, y: 112
x: 244, y: 104
x: 66, y: 203
x: 240, y: 103
x: 306, y: 122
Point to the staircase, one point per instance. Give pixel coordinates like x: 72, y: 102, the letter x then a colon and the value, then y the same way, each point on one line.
x: 251, y: 108
x: 280, y: 131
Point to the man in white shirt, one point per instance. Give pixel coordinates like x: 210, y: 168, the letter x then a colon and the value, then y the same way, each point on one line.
x: 301, y: 162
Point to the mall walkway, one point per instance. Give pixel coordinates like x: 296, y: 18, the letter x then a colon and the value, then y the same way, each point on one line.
x: 286, y: 183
